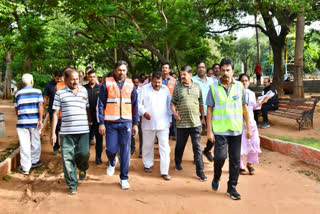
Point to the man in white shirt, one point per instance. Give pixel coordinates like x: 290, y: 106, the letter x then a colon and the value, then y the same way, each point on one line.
x: 154, y: 106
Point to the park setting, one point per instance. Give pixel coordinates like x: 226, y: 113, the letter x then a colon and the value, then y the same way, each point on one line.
x: 98, y: 100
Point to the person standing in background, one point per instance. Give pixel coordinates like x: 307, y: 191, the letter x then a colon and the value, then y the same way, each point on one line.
x: 93, y: 90
x: 49, y: 93
x: 171, y: 83
x: 258, y: 69
x: 204, y: 83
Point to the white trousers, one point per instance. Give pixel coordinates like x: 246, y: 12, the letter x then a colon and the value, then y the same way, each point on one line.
x: 164, y: 149
x: 30, y: 147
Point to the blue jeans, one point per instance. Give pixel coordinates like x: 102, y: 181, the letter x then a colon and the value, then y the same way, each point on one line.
x: 118, y: 136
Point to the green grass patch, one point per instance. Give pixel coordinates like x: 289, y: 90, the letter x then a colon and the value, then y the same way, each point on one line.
x: 6, y: 178
x: 307, y: 141
x: 39, y: 171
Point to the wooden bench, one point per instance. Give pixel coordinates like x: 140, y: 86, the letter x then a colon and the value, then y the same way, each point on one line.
x: 298, y: 109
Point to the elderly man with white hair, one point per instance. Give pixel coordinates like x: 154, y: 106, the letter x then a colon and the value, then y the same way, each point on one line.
x: 29, y: 109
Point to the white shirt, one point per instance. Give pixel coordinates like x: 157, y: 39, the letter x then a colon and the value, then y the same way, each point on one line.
x: 157, y: 104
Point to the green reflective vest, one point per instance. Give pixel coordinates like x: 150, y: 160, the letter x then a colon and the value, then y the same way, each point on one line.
x: 227, y: 113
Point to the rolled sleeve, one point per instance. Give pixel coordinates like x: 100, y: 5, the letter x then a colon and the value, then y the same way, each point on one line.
x: 56, y: 102
x: 210, y: 100
x: 142, y: 110
x: 102, y: 103
x: 135, y: 108
x: 244, y: 97
x: 175, y: 96
x: 200, y: 97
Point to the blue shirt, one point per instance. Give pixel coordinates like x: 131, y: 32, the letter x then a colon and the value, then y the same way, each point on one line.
x: 102, y: 102
x: 205, y: 86
x: 27, y: 101
x: 165, y: 81
x: 210, y: 102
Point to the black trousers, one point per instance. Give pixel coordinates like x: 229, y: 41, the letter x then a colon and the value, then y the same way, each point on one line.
x: 133, y: 145
x: 223, y: 146
x: 56, y: 145
x: 99, y: 139
x: 182, y: 138
x: 264, y: 110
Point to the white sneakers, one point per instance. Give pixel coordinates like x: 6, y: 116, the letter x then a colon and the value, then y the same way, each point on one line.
x: 111, y: 169
x: 124, y: 184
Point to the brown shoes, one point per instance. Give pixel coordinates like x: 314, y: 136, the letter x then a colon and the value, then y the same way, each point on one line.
x: 148, y: 170
x: 166, y: 177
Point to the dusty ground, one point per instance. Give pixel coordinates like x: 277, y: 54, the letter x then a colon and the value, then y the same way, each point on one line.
x: 6, y: 107
x: 277, y: 187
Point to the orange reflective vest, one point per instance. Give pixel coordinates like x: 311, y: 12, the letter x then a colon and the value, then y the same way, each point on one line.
x: 118, y: 104
x: 59, y: 86
x: 171, y: 84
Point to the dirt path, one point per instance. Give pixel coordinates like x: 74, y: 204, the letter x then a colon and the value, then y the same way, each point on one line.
x: 277, y: 187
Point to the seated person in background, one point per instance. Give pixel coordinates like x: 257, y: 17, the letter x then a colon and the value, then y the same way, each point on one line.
x: 271, y: 105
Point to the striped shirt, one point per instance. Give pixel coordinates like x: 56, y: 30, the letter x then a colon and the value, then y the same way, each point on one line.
x: 187, y: 100
x: 26, y: 102
x: 73, y: 109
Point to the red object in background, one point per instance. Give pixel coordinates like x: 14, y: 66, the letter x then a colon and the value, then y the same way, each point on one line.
x: 257, y: 69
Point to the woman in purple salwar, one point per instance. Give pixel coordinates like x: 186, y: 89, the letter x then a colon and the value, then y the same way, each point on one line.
x: 250, y: 147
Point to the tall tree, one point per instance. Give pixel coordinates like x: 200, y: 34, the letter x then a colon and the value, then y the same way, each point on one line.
x: 278, y: 16
x: 298, y: 90
x: 159, y: 26
x: 257, y: 39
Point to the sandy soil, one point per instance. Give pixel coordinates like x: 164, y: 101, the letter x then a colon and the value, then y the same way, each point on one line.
x: 6, y: 107
x: 277, y: 187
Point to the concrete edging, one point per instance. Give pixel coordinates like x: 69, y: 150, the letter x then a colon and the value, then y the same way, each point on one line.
x: 10, y: 163
x: 301, y: 152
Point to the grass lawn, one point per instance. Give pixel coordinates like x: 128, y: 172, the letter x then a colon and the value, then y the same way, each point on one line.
x: 307, y: 141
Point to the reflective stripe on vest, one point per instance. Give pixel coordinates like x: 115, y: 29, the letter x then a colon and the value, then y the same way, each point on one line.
x: 118, y: 104
x: 227, y: 113
x: 171, y: 84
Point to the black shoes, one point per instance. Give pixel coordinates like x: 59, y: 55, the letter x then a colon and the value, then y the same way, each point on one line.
x: 232, y: 192
x: 208, y: 155
x: 98, y: 161
x: 215, y: 184
x: 202, y: 176
x: 178, y: 168
x: 82, y: 175
x: 34, y: 165
x: 55, y: 152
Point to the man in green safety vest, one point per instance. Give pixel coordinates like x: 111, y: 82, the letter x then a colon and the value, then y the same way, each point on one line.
x: 226, y: 109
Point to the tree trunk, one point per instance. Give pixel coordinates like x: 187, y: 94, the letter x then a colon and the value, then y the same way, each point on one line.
x: 298, y: 90
x: 8, y: 77
x: 278, y: 71
x: 27, y: 64
x: 257, y: 38
x: 245, y: 67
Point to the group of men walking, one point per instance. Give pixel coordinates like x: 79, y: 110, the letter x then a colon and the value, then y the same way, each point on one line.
x: 114, y: 109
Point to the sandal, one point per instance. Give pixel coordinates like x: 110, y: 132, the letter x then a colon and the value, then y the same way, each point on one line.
x: 251, y: 170
x: 243, y: 172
